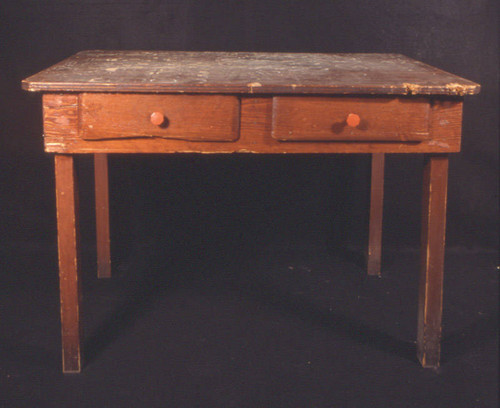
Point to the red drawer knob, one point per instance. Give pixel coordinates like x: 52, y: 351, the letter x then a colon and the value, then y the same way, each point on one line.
x: 353, y: 120
x: 157, y: 118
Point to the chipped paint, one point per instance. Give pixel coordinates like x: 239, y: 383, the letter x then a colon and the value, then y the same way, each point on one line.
x: 227, y: 72
x: 252, y: 85
x: 244, y: 151
x: 57, y: 146
x: 412, y: 89
x: 439, y: 144
x: 460, y: 89
x: 62, y: 120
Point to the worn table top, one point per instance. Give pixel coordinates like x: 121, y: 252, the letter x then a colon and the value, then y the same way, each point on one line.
x: 245, y: 72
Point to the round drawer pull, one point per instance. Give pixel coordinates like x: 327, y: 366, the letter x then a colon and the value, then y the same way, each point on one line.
x: 353, y: 120
x: 157, y: 118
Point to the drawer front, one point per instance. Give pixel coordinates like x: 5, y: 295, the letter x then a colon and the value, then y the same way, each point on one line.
x: 184, y: 117
x: 350, y: 119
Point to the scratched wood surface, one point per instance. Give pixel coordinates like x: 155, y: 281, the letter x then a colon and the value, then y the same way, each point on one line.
x: 244, y: 72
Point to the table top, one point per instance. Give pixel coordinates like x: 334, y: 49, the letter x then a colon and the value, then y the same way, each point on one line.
x: 247, y: 73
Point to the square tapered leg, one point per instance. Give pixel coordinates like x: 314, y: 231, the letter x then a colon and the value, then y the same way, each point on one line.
x: 69, y: 274
x: 376, y: 212
x: 430, y: 296
x: 102, y: 215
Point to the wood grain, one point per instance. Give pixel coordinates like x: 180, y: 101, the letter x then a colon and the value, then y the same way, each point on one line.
x: 432, y: 260
x: 187, y: 117
x: 446, y: 123
x: 102, y: 215
x: 60, y: 115
x: 69, y: 273
x: 247, y: 73
x: 254, y: 136
x: 325, y: 119
x: 376, y: 214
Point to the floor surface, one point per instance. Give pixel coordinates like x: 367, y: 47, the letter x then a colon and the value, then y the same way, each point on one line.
x: 240, y: 325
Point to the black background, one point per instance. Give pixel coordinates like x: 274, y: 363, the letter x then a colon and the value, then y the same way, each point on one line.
x: 457, y: 36
x: 190, y: 211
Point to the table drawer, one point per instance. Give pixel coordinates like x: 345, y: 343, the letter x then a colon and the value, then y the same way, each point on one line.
x: 350, y: 119
x: 185, y: 117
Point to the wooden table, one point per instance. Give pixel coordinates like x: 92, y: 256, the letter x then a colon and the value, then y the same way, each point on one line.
x: 102, y: 102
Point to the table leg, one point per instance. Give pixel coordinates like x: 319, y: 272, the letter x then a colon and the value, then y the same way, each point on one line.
x: 69, y: 274
x: 102, y: 215
x: 376, y: 211
x: 432, y: 260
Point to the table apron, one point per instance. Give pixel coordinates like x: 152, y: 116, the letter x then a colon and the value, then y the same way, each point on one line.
x: 251, y: 125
